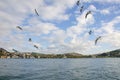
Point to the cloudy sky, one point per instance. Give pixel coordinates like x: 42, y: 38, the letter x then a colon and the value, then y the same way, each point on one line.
x: 60, y: 27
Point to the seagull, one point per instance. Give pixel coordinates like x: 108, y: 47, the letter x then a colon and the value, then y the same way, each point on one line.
x: 19, y: 27
x: 30, y: 39
x: 89, y: 12
x: 97, y: 40
x: 90, y: 32
x: 78, y: 3
x: 14, y: 50
x: 36, y: 12
x: 81, y: 9
x: 36, y: 46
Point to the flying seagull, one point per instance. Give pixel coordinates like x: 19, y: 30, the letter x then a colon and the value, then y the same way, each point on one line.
x: 97, y: 39
x: 19, y: 27
x: 30, y: 39
x: 81, y: 9
x: 78, y: 3
x: 36, y: 12
x: 14, y: 50
x: 89, y: 12
x: 90, y: 32
x: 36, y: 46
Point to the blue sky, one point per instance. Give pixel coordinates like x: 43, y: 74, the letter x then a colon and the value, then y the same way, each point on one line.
x: 60, y: 27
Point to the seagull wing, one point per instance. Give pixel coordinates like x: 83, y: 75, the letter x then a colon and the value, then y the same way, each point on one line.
x: 30, y: 39
x: 36, y: 46
x: 36, y: 12
x: 78, y: 2
x: 81, y: 9
x: 89, y: 12
x: 97, y: 40
x: 19, y: 27
x: 90, y: 32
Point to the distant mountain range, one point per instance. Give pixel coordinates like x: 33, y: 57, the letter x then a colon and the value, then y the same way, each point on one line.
x: 4, y: 53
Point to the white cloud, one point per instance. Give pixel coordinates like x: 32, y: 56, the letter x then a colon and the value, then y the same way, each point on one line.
x: 92, y: 8
x: 110, y: 26
x: 110, y: 34
x: 56, y: 37
x: 105, y: 11
x: 39, y: 28
x: 108, y: 1
x: 56, y: 11
x: 103, y: 1
x: 52, y: 46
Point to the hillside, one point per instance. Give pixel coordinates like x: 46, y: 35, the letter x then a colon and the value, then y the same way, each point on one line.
x: 5, y: 54
x: 114, y: 53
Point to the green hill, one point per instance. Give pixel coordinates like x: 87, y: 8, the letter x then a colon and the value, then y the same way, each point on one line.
x: 114, y: 53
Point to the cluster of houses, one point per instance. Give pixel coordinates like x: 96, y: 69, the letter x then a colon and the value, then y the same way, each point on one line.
x: 30, y: 55
x: 6, y: 54
x: 16, y: 56
x: 19, y: 56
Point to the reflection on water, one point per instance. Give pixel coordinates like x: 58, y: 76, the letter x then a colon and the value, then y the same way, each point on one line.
x: 60, y: 69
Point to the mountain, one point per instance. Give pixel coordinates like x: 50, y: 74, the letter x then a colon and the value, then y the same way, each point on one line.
x: 73, y: 55
x: 114, y: 53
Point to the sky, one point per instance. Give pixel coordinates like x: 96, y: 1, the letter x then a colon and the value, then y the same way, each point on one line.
x: 60, y: 26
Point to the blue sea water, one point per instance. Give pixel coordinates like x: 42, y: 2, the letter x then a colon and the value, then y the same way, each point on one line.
x: 60, y: 69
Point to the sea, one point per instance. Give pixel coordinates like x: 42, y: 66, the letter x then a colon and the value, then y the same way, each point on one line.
x: 60, y: 69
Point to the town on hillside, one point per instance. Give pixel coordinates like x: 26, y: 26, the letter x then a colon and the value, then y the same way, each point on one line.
x: 32, y: 55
